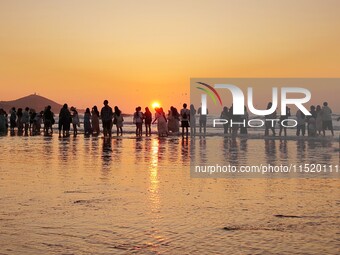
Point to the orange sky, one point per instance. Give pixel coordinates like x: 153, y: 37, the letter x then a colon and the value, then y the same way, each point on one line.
x: 135, y: 52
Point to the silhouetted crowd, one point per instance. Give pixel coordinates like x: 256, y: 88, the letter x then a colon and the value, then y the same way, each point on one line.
x: 29, y: 122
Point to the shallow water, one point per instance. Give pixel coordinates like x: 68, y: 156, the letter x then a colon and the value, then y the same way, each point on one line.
x: 85, y: 196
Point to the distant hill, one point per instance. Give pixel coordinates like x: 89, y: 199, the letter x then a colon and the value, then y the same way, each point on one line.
x: 32, y: 101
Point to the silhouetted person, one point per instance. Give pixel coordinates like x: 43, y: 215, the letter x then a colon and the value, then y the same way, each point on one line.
x: 282, y: 118
x: 106, y: 114
x: 95, y: 121
x: 25, y: 119
x: 13, y: 119
x: 202, y: 120
x: 225, y: 116
x: 185, y: 118
x: 148, y: 120
x: 270, y: 125
x: 6, y: 115
x: 233, y: 118
x: 319, y: 119
x: 160, y: 117
x: 38, y: 117
x: 75, y: 120
x: 32, y: 115
x: 311, y: 122
x: 301, y: 123
x: 192, y: 120
x: 327, y: 119
x: 48, y: 118
x: 138, y: 120
x: 3, y: 122
x: 173, y: 120
x: 19, y: 121
x: 87, y: 122
x: 244, y: 119
x: 118, y: 120
x: 64, y: 121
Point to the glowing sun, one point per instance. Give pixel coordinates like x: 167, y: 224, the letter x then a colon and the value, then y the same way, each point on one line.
x: 155, y: 105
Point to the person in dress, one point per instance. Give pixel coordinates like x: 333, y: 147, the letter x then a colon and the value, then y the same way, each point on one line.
x: 148, y: 121
x: 75, y: 120
x: 106, y: 115
x: 95, y: 121
x: 64, y: 121
x: 161, y: 122
x: 37, y: 121
x: 192, y: 120
x: 318, y: 119
x: 185, y: 118
x: 118, y: 120
x: 87, y: 122
x: 138, y: 120
x: 173, y: 120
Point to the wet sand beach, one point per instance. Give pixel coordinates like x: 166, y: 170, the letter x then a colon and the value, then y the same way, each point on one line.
x: 136, y: 196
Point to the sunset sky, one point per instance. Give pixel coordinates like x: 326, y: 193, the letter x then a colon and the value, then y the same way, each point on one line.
x: 136, y: 52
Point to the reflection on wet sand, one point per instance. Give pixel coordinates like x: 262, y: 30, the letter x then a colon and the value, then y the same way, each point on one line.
x: 153, y: 176
x: 185, y: 152
x: 242, y: 151
x: 64, y: 147
x: 99, y: 198
x: 117, y: 149
x: 234, y: 152
x: 270, y: 151
x: 106, y: 156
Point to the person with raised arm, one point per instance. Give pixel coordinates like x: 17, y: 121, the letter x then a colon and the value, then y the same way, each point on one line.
x: 161, y: 119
